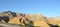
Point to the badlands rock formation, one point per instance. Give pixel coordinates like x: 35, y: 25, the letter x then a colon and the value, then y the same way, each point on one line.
x: 37, y: 20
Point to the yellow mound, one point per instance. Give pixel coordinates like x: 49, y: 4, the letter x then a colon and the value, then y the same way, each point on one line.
x: 14, y: 21
x: 41, y: 23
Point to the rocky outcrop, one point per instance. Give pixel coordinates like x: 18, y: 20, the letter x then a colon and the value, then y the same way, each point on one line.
x: 28, y: 19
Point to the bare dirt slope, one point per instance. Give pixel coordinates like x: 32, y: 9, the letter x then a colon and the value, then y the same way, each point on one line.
x: 28, y: 20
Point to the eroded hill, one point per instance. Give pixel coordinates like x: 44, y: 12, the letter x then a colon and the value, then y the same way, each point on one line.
x: 30, y: 20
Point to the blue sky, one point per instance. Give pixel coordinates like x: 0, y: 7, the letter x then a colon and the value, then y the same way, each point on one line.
x: 50, y: 8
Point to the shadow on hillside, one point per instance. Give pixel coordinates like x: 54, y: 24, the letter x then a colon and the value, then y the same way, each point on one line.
x: 53, y: 25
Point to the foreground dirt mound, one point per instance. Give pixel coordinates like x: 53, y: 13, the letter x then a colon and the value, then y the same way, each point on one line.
x: 28, y: 19
x: 8, y: 25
